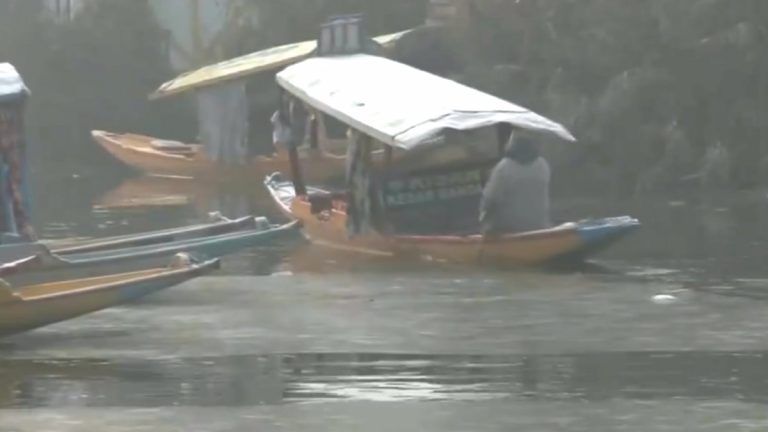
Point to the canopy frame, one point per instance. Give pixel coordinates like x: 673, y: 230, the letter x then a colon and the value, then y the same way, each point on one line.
x: 410, y: 112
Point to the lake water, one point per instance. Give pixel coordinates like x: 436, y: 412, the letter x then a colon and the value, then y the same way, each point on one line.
x: 667, y: 332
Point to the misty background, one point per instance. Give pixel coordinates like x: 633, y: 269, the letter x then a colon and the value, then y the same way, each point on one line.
x: 665, y: 96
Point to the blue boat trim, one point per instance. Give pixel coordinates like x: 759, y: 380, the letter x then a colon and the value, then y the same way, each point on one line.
x: 599, y: 230
x: 598, y: 234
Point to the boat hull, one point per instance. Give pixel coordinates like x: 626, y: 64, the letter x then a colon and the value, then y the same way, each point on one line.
x: 17, y: 251
x: 568, y: 242
x: 48, y: 266
x: 190, y: 232
x: 137, y: 152
x: 85, y: 296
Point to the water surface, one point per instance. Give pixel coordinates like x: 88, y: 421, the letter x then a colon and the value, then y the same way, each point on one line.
x: 309, y: 340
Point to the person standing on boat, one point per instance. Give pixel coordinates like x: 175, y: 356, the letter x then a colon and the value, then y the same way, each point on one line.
x: 281, y: 130
x: 516, y: 196
x: 292, y: 121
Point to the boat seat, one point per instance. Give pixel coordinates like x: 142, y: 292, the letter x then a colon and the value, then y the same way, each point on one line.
x: 175, y: 147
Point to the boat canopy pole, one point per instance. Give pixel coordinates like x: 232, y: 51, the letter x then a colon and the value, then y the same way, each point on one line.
x: 360, y: 205
x: 314, y: 130
x: 299, y: 186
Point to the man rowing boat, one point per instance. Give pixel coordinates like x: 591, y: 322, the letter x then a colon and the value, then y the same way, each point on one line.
x: 516, y: 197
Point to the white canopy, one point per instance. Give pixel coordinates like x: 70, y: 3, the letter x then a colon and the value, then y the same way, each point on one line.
x: 12, y: 87
x: 399, y: 105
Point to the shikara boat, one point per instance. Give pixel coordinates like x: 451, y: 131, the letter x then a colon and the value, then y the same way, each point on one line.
x: 16, y: 251
x: 220, y: 226
x: 48, y: 266
x: 170, y: 158
x: 568, y: 242
x: 29, y: 307
x: 430, y: 208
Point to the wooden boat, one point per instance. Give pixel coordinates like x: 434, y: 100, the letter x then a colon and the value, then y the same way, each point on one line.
x: 573, y: 241
x: 220, y: 226
x: 427, y: 211
x: 218, y: 238
x: 17, y: 251
x: 157, y: 157
x: 28, y: 307
x: 48, y: 266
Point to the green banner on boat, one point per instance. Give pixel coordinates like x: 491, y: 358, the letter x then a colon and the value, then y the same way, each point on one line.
x: 434, y: 187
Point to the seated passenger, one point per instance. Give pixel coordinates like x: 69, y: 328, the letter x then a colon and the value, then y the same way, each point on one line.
x: 516, y: 197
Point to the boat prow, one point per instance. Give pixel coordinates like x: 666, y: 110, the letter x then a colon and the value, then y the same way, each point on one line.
x: 599, y: 234
x: 152, y: 155
x: 29, y: 307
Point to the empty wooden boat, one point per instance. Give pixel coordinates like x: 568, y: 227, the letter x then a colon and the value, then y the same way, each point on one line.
x: 157, y: 157
x: 28, y: 307
x: 47, y: 266
x: 220, y: 225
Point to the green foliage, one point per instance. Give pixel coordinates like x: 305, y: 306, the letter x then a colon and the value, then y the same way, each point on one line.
x: 640, y: 66
x: 92, y: 73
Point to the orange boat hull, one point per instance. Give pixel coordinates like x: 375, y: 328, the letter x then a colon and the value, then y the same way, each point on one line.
x: 138, y: 152
x: 571, y: 241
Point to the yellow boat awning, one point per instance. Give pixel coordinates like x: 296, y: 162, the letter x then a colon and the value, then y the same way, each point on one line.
x: 249, y: 64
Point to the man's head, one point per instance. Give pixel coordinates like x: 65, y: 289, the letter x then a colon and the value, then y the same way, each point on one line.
x: 522, y: 149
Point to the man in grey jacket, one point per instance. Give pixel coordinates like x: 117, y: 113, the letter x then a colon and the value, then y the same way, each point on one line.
x: 516, y: 197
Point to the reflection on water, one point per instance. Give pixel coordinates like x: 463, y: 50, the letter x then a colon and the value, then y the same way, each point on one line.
x: 296, y: 378
x: 152, y: 192
x: 76, y: 207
